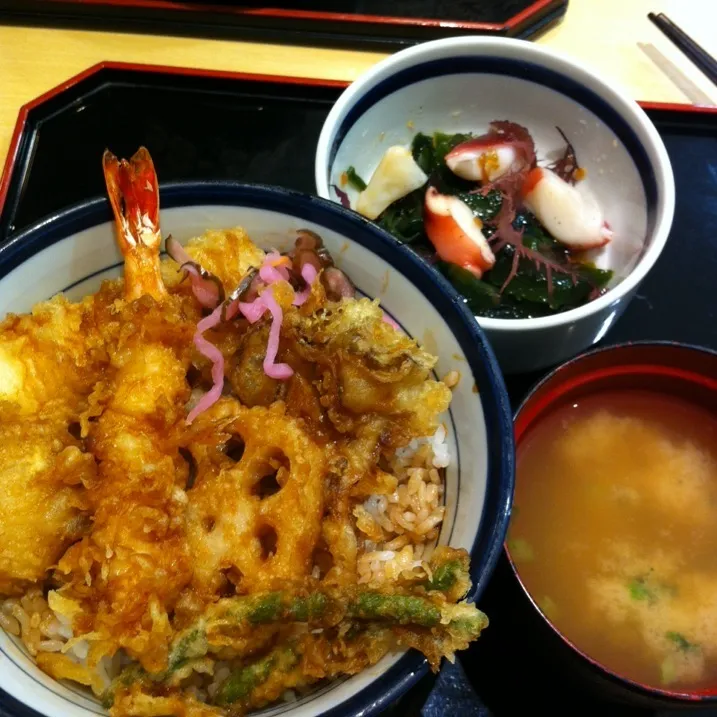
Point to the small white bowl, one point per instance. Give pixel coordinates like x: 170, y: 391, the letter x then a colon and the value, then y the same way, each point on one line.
x: 75, y: 250
x: 461, y: 85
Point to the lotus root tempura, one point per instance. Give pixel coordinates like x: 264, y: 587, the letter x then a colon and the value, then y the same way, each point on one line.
x: 615, y: 531
x: 223, y: 476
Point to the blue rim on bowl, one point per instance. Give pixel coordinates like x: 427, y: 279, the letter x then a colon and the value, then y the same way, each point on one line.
x: 524, y: 60
x: 494, y: 399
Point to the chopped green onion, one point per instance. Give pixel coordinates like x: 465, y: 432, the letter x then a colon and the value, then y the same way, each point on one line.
x: 681, y: 641
x: 548, y: 606
x: 639, y: 590
x: 521, y: 550
x: 355, y: 180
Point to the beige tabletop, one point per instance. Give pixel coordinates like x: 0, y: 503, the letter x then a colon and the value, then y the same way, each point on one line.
x: 608, y: 35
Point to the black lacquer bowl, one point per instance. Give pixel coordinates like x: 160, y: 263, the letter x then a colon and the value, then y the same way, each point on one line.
x: 678, y: 370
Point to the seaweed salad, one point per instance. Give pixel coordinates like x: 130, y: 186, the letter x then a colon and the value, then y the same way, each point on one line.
x: 510, y: 235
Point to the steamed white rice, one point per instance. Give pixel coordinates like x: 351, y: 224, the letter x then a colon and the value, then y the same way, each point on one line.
x: 401, y: 528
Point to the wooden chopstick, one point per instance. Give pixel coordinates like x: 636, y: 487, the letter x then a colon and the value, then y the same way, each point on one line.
x: 684, y: 42
x: 678, y: 78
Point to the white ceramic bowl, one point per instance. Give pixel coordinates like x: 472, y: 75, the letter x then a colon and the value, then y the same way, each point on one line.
x: 461, y: 85
x: 75, y: 250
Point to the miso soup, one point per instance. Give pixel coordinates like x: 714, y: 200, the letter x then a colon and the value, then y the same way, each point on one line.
x: 614, y: 533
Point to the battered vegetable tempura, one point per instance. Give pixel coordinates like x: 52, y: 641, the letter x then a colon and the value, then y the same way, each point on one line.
x: 196, y: 459
x: 49, y: 362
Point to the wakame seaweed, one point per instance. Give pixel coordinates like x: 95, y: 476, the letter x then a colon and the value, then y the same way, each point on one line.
x: 528, y: 294
x: 485, y: 207
x: 404, y: 218
x: 479, y: 295
x: 429, y: 153
x: 568, y: 289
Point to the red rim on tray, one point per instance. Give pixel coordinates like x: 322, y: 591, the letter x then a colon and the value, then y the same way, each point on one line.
x: 321, y: 21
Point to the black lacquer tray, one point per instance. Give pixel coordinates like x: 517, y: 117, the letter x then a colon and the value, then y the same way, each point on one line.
x: 208, y: 125
x: 363, y: 22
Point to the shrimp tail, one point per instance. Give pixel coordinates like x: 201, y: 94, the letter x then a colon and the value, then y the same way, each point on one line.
x: 134, y: 195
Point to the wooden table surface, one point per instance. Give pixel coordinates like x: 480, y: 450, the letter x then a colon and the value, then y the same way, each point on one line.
x: 602, y: 33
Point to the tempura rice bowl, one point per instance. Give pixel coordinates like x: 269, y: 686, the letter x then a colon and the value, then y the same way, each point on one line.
x: 75, y: 251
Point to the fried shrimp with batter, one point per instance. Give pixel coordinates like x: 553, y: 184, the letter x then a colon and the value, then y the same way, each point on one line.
x: 237, y: 488
x: 128, y: 572
x: 49, y: 362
